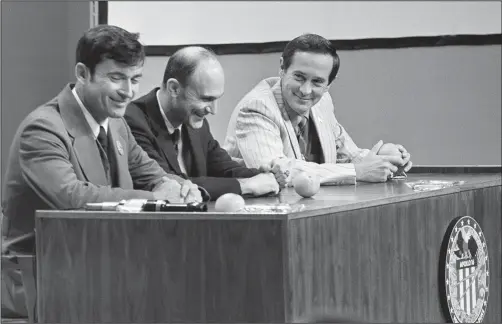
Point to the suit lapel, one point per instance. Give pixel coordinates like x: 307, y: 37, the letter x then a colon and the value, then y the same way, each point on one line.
x: 89, y: 159
x: 160, y: 130
x: 198, y: 161
x: 84, y: 142
x: 118, y: 145
x: 292, y: 137
x: 276, y: 91
x: 167, y: 147
x: 325, y: 131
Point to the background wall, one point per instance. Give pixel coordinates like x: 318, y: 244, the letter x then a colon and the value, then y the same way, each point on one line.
x: 38, y: 54
x: 442, y: 103
x: 217, y: 22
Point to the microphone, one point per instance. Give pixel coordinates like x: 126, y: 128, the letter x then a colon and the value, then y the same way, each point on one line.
x: 165, y: 206
x: 137, y: 205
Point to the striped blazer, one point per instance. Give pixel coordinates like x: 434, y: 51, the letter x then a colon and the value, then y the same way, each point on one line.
x: 260, y: 132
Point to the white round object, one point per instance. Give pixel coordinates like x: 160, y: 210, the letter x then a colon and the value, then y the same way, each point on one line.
x: 229, y: 202
x: 306, y: 185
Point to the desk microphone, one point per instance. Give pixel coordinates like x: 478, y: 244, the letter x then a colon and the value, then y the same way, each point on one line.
x: 137, y: 205
x: 165, y: 206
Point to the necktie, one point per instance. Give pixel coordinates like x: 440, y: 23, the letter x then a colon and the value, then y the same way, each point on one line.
x: 103, y: 151
x: 175, y: 137
x: 103, y: 139
x: 302, y: 135
x: 185, y: 154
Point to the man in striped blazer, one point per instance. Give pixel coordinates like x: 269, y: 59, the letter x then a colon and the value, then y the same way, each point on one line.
x: 289, y: 121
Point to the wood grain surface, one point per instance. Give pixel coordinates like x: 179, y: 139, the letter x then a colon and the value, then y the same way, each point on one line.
x: 132, y: 271
x: 369, y: 251
x: 330, y: 199
x: 381, y: 264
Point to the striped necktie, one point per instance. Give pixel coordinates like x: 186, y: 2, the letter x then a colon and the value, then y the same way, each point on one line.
x: 302, y: 135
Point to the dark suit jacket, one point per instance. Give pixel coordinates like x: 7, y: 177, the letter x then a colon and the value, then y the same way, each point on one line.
x: 54, y: 163
x: 211, y: 166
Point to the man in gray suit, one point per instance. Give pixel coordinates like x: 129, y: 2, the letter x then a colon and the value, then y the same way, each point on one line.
x: 289, y: 121
x: 77, y: 149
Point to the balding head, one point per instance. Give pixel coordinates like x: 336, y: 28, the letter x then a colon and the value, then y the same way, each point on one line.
x: 193, y: 82
x: 184, y: 62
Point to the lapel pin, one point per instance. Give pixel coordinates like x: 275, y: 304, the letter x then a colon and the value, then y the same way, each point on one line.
x: 119, y: 148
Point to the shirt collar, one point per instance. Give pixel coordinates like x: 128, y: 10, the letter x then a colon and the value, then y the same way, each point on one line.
x: 170, y: 127
x: 294, y: 117
x: 93, y: 124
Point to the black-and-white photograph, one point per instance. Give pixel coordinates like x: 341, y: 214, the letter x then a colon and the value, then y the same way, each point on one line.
x: 251, y: 161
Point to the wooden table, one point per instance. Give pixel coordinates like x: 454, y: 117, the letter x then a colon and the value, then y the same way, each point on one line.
x: 371, y: 250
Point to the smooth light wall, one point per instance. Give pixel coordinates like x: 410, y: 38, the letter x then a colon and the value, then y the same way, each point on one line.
x: 219, y: 22
x: 442, y: 103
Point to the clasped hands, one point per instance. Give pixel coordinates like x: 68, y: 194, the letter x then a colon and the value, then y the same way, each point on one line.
x: 177, y: 191
x: 377, y: 166
x: 382, y: 162
x: 270, y: 181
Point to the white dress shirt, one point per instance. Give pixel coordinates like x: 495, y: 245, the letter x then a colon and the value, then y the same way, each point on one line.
x: 171, y: 129
x: 93, y: 124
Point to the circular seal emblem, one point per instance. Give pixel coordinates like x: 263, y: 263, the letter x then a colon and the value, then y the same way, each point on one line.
x: 466, y: 271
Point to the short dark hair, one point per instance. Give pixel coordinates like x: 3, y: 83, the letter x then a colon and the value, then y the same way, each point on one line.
x: 182, y: 64
x: 109, y: 42
x: 314, y: 44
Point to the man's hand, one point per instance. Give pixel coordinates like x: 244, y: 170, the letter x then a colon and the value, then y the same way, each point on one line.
x: 280, y: 177
x: 260, y: 184
x: 284, y: 170
x: 190, y: 192
x: 377, y: 168
x: 390, y: 149
x: 175, y: 192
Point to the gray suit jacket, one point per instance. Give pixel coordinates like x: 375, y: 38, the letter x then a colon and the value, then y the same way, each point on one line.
x: 260, y: 132
x: 54, y: 163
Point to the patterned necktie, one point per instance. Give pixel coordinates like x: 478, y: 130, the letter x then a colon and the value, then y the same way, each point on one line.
x: 302, y: 135
x: 103, y: 151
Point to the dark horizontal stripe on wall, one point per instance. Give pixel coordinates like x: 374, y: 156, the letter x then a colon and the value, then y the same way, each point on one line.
x: 349, y: 44
x: 456, y: 169
x: 342, y: 45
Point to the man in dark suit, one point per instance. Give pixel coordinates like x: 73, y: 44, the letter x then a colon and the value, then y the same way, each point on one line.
x: 169, y: 124
x: 77, y: 149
